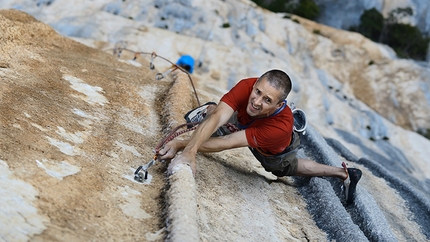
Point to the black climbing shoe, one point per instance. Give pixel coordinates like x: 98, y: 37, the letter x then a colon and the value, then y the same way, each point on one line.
x: 350, y: 183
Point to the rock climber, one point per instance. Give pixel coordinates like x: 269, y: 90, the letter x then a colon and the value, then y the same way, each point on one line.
x: 255, y: 114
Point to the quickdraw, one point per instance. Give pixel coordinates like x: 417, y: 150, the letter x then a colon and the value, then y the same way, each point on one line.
x: 141, y: 172
x: 121, y: 46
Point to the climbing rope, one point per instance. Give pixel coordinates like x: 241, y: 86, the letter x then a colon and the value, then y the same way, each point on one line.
x: 141, y: 172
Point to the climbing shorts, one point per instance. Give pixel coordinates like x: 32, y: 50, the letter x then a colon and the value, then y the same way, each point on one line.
x: 282, y: 164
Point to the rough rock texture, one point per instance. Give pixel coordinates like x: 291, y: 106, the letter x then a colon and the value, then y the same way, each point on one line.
x: 252, y: 41
x: 182, y: 220
x: 398, y: 89
x: 333, y: 12
x: 76, y: 122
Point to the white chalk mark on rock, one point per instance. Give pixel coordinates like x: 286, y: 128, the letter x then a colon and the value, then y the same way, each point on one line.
x: 58, y: 169
x: 128, y: 148
x: 92, y: 94
x: 19, y: 219
x: 131, y: 207
x: 64, y: 147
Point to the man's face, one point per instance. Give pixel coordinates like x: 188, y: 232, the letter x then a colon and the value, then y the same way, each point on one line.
x: 264, y: 100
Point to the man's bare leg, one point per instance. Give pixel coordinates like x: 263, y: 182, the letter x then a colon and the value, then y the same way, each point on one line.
x: 312, y: 168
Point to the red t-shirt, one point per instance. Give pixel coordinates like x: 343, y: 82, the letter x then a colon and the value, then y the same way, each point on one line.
x: 272, y: 134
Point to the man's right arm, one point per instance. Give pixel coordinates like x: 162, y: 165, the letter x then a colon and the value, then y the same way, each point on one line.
x: 218, y: 117
x: 213, y: 144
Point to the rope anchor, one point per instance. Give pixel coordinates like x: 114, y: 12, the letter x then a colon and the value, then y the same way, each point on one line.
x: 160, y: 76
x: 141, y: 172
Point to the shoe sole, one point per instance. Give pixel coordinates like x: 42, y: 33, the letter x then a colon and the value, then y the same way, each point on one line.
x: 352, y: 185
x: 196, y: 112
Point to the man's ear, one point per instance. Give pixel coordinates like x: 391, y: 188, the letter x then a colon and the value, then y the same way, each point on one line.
x: 256, y: 82
x: 279, y: 105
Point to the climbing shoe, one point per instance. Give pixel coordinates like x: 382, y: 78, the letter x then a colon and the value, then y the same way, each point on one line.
x: 198, y: 114
x: 350, y: 183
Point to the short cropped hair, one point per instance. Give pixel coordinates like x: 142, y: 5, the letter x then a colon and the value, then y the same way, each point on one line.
x: 279, y: 80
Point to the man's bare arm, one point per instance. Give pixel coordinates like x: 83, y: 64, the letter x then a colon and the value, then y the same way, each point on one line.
x: 214, y: 144
x: 231, y: 141
x: 218, y: 117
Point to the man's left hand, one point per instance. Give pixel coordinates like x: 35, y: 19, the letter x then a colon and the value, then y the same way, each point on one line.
x: 183, y: 159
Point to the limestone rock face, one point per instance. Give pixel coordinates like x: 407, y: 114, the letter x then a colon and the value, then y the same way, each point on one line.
x: 76, y: 121
x: 398, y: 89
x: 236, y: 39
x: 333, y: 12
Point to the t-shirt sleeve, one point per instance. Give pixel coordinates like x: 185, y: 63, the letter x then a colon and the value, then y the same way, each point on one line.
x: 238, y: 95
